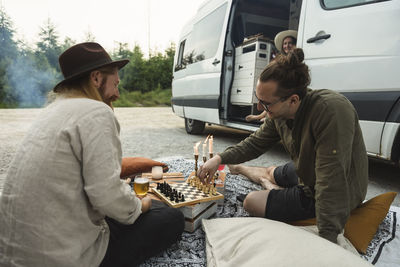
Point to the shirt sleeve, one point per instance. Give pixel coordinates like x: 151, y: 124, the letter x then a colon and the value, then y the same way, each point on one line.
x: 100, y: 153
x: 333, y: 129
x: 253, y: 146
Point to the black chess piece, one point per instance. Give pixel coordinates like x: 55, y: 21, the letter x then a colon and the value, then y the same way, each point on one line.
x: 183, y: 198
x: 172, y: 197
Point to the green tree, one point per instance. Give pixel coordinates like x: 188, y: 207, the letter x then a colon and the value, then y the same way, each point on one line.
x: 8, y: 53
x: 132, y: 76
x: 31, y: 78
x: 159, y: 68
x: 166, y: 67
x: 122, y: 51
x: 68, y: 42
x: 8, y: 47
x: 49, y: 45
x: 89, y: 36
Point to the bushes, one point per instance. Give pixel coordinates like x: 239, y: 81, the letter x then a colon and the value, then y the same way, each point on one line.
x: 158, y: 97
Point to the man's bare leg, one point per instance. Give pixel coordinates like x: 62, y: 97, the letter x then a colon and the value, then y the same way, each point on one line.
x: 255, y: 203
x: 260, y: 175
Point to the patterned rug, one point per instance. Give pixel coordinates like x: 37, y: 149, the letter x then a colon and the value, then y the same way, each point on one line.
x: 190, y: 251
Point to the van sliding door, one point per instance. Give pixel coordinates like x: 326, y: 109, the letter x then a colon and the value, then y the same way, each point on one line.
x: 203, y: 56
x: 353, y: 47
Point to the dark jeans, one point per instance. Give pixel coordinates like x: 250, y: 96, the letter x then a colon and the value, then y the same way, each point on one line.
x: 151, y: 233
x: 290, y: 203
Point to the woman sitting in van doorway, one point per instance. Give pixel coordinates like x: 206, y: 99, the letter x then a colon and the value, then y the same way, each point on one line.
x: 285, y: 41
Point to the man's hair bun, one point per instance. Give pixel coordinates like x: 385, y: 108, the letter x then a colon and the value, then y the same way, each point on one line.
x: 291, y: 73
x: 292, y: 60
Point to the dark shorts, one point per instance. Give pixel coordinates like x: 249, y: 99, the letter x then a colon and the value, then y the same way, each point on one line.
x: 290, y: 203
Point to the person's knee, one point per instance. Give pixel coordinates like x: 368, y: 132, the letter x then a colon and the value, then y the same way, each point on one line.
x: 253, y: 205
x: 270, y: 172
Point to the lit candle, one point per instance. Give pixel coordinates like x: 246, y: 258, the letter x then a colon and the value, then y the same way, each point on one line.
x: 204, y: 150
x: 196, y: 148
x: 210, y: 144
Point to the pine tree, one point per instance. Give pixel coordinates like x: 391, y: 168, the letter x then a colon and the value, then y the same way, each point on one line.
x: 8, y: 53
x: 48, y: 44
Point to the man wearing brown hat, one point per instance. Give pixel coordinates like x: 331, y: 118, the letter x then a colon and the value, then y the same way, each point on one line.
x: 63, y: 203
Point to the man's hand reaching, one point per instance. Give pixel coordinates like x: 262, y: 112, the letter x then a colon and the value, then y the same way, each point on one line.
x: 207, y: 171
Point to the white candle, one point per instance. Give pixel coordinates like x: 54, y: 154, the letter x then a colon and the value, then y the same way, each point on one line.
x: 204, y: 150
x: 196, y: 148
x: 210, y: 144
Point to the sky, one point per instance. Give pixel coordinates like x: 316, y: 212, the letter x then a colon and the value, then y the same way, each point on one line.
x: 111, y: 22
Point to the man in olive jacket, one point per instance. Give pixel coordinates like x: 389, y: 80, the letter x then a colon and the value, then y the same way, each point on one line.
x: 328, y: 175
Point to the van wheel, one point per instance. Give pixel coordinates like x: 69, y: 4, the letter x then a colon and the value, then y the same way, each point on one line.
x: 194, y: 126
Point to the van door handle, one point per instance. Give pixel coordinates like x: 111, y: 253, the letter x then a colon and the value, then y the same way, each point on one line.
x: 216, y: 61
x: 320, y: 37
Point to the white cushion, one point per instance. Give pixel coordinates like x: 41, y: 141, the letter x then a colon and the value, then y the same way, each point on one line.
x: 262, y: 242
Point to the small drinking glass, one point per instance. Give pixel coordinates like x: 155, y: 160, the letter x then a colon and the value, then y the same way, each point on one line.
x: 141, y: 186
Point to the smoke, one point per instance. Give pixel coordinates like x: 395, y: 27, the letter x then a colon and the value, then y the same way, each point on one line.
x: 31, y: 80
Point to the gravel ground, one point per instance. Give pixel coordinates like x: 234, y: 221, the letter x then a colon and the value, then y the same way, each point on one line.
x: 157, y: 133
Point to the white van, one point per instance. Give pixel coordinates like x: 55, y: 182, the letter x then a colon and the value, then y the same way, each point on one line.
x: 352, y: 46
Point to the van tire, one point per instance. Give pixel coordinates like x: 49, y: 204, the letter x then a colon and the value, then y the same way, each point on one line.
x: 194, y: 126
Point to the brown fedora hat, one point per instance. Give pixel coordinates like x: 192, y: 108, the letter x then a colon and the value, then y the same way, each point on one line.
x: 83, y: 58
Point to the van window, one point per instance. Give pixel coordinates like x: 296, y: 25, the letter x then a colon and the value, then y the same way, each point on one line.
x: 204, y: 40
x: 179, y: 64
x: 334, y: 4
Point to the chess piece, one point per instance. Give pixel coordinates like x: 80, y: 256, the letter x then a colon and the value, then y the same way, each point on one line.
x: 214, y: 190
x: 204, y: 188
x: 207, y: 189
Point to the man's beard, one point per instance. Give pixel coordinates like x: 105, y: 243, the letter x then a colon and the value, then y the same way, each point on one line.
x: 106, y: 100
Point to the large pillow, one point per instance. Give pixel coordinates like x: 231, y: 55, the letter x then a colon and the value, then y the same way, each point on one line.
x: 249, y: 241
x: 363, y: 221
x: 136, y: 165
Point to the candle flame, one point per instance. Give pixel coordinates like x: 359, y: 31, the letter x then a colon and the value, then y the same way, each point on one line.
x: 208, y: 136
x: 197, y: 144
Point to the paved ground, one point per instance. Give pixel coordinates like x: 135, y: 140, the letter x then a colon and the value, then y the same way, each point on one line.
x: 158, y: 133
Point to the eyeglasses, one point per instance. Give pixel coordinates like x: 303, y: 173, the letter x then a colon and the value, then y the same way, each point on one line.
x: 267, y: 106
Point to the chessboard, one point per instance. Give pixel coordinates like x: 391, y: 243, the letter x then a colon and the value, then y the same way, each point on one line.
x: 182, y: 194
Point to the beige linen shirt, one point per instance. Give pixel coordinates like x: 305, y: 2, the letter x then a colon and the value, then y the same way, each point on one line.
x: 61, y: 184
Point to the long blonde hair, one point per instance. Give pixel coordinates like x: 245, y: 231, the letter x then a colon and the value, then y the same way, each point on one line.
x: 81, y: 87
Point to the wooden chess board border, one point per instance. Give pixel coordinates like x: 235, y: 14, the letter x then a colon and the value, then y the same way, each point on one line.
x: 188, y: 202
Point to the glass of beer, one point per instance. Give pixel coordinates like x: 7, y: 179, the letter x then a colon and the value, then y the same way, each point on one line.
x: 141, y: 186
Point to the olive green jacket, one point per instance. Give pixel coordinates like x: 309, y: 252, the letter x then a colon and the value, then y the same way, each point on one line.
x: 326, y: 145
